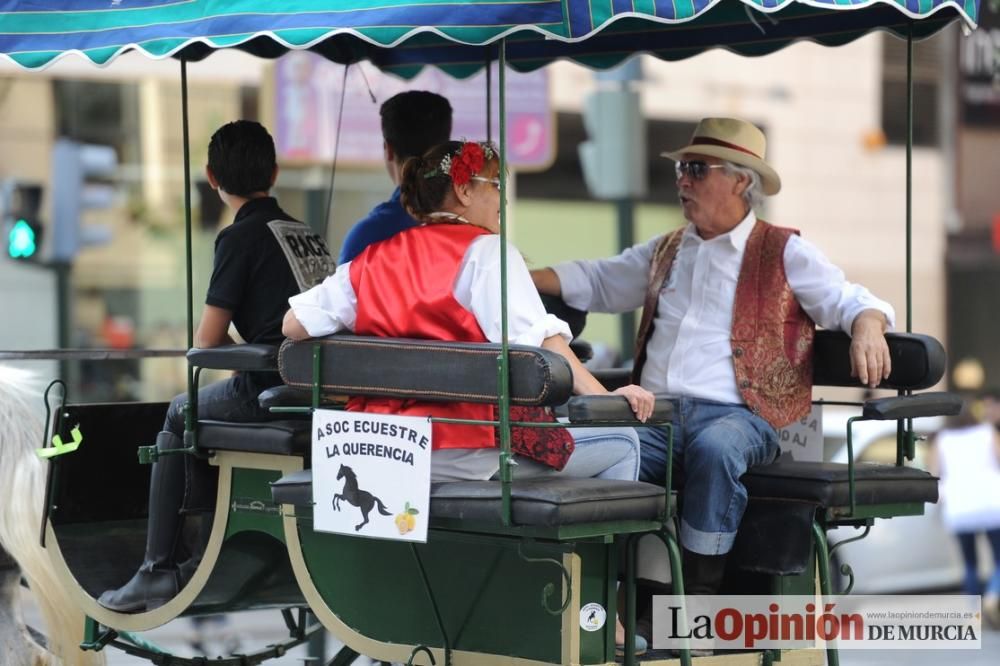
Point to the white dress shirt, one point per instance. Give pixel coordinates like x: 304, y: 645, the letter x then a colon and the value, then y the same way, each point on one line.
x: 332, y: 305
x: 690, y: 352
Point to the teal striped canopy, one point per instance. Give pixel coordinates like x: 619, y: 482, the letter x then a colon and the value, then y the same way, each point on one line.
x: 402, y: 36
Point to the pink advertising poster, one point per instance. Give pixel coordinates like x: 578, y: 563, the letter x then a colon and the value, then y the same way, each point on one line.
x: 308, y: 94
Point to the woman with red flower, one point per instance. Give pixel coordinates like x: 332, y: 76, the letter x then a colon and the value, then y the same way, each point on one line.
x: 441, y: 281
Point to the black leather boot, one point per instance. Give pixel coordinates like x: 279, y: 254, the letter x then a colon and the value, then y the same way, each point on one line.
x: 702, y: 577
x: 188, y: 562
x: 702, y: 573
x: 156, y: 581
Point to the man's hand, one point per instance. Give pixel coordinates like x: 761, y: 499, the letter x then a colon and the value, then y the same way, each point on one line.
x: 870, y: 361
x: 639, y: 399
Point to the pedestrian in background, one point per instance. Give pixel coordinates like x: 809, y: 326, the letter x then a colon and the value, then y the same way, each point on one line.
x: 967, y: 458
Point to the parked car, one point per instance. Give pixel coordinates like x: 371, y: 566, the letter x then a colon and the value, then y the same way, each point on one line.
x: 906, y: 554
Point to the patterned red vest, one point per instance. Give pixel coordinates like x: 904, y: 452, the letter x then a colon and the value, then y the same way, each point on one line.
x: 771, y: 335
x: 404, y: 286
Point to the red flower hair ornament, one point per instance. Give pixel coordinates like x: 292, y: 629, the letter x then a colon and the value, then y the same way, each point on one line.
x: 463, y: 164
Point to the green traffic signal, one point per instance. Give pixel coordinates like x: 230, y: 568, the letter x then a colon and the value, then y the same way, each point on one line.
x: 21, y: 241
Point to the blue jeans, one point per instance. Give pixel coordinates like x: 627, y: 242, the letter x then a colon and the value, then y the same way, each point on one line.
x: 233, y: 399
x: 600, y: 453
x: 714, y: 445
x: 967, y: 540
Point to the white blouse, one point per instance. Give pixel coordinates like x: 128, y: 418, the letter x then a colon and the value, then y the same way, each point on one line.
x: 332, y: 306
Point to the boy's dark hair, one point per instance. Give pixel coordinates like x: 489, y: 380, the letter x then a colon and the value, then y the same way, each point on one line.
x: 241, y: 157
x: 415, y: 121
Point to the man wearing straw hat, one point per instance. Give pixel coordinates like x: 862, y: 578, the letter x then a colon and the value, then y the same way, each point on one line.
x: 729, y: 305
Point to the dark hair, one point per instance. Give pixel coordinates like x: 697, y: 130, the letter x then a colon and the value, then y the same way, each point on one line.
x: 415, y: 121
x: 423, y: 191
x: 241, y: 157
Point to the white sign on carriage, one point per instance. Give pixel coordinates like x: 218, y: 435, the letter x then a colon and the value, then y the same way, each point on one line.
x: 371, y: 474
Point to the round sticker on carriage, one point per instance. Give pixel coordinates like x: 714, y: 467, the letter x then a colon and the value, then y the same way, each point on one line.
x: 592, y: 617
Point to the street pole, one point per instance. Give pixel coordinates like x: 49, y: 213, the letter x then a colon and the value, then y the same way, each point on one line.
x: 64, y: 315
x: 626, y: 239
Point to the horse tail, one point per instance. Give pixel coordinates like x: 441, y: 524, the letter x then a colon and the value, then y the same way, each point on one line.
x: 22, y: 476
x: 381, y: 507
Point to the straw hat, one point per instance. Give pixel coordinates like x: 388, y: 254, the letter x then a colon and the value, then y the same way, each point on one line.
x: 735, y: 141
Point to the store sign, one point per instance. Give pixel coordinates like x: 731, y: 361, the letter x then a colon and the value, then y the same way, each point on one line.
x: 979, y: 68
x: 307, y: 97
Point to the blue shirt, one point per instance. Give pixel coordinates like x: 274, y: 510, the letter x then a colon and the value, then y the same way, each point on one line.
x: 384, y: 221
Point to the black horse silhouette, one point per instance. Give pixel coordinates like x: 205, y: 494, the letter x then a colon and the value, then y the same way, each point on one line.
x: 362, y: 499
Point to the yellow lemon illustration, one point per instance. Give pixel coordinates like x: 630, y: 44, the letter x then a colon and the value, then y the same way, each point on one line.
x: 403, y: 523
x: 407, y: 520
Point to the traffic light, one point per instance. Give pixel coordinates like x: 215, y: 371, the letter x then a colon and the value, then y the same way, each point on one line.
x: 80, y: 174
x: 23, y: 240
x: 614, y: 157
x: 22, y: 227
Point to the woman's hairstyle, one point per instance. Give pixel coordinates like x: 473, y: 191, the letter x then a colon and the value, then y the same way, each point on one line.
x: 426, y: 180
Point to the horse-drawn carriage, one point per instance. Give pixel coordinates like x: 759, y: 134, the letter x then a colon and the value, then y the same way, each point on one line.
x: 510, y: 564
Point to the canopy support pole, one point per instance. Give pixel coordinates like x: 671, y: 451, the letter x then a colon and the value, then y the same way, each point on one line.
x: 185, y: 134
x: 324, y: 224
x: 190, y: 412
x: 909, y: 179
x: 904, y: 433
x: 489, y: 98
x: 503, y: 379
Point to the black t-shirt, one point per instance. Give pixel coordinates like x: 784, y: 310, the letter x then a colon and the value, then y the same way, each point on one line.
x: 261, y: 260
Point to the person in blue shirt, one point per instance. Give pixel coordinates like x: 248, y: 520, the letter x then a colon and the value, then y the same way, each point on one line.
x: 413, y: 122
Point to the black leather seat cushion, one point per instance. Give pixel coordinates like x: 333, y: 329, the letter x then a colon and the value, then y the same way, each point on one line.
x: 549, y: 502
x: 235, y: 357
x: 827, y: 485
x: 535, y: 502
x: 283, y: 437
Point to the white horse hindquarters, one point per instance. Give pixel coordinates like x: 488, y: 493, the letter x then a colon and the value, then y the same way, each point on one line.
x: 22, y: 476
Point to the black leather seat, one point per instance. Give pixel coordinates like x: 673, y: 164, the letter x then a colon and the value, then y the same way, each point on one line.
x: 827, y: 485
x: 786, y: 496
x: 287, y: 437
x: 545, y: 502
x: 549, y: 502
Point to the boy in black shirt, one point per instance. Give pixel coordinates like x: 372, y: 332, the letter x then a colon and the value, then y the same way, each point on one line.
x: 265, y: 257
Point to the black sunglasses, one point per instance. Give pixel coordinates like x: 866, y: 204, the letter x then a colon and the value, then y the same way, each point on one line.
x: 695, y: 169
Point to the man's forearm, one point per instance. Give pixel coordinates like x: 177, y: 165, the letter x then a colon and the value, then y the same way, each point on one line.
x: 546, y: 281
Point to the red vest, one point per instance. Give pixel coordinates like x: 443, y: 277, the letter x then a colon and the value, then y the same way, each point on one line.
x: 771, y: 335
x: 404, y: 286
